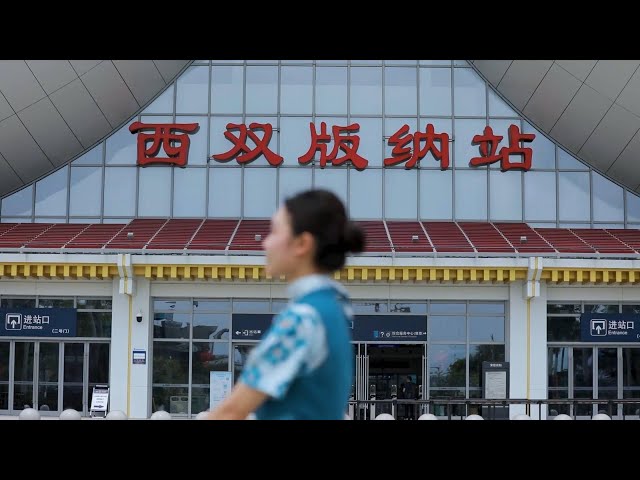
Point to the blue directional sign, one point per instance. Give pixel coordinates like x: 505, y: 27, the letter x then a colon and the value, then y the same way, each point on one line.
x: 250, y: 326
x: 390, y: 328
x: 38, y: 322
x: 613, y: 327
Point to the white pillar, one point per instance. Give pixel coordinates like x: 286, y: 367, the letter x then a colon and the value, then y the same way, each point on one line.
x: 119, y: 350
x: 141, y: 341
x: 528, y: 341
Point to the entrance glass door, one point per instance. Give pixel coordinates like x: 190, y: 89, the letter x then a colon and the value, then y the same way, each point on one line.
x: 395, y: 371
x: 240, y: 354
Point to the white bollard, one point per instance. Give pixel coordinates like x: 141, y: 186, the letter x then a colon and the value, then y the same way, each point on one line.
x: 251, y: 416
x: 601, y: 416
x: 563, y: 416
x: 202, y: 415
x: 29, y: 414
x: 160, y: 415
x: 521, y: 416
x: 347, y: 417
x: 70, y: 414
x: 473, y: 416
x: 385, y: 416
x: 427, y: 416
x: 116, y: 415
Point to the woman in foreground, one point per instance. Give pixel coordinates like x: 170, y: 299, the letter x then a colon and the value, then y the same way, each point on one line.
x: 302, y: 369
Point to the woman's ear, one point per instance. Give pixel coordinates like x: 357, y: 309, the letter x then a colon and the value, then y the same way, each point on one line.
x: 305, y: 243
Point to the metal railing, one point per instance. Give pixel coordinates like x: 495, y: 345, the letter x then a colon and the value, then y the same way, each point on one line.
x: 459, y: 409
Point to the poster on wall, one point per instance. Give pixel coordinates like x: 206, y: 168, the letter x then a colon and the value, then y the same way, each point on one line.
x: 220, y: 387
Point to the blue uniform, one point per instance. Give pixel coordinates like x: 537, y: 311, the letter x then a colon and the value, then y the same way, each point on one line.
x: 304, y: 361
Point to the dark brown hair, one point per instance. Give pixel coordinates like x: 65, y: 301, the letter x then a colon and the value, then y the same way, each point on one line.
x: 322, y: 214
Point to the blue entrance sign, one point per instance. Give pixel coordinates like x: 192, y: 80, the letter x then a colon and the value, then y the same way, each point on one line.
x: 250, y: 326
x: 613, y: 327
x: 390, y: 328
x: 39, y: 322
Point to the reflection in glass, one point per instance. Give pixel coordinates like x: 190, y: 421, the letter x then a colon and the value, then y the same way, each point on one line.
x: 574, y: 196
x: 121, y: 147
x: 250, y: 306
x: 212, y: 305
x: 73, y: 376
x: 447, y: 365
x: 240, y: 356
x: 192, y: 94
x: 98, y: 364
x: 154, y: 184
x: 225, y: 190
x: 199, y: 399
x: 436, y: 187
x: 365, y: 195
x: 447, y: 328
x: 213, y: 326
x: 409, y: 307
x: 174, y: 400
x: 171, y: 325
x: 601, y: 308
x: 262, y: 89
x: 563, y: 329
x: 259, y: 192
x: 19, y: 204
x: 435, y: 91
x: 469, y: 93
x: 55, y: 303
x: 563, y: 308
x: 471, y: 194
x: 558, y: 367
x: 540, y: 196
x: 396, y: 205
x: 170, y: 363
x: 48, y: 376
x: 479, y: 354
x: 86, y: 191
x: 172, y: 305
x: 18, y: 303
x: 369, y: 306
x: 120, y: 191
x: 631, y: 378
x: 583, y: 378
x: 400, y: 91
x: 447, y: 308
x: 544, y: 149
x: 208, y: 357
x: 191, y: 183
x: 608, y: 200
x: 486, y: 308
x: 486, y: 329
x: 632, y: 309
x: 331, y: 90
x: 505, y: 196
x: 366, y: 91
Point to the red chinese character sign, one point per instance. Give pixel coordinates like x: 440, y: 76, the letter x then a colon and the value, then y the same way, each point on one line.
x: 243, y: 153
x: 175, y: 145
x: 403, y: 153
x: 489, y: 144
x: 348, y: 144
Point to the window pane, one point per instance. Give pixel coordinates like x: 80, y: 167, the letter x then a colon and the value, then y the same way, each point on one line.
x: 544, y: 150
x: 608, y: 203
x: 505, y: 195
x: 259, y: 192
x: 192, y: 95
x: 563, y: 329
x: 469, y: 93
x: 295, y: 139
x: 447, y: 328
x: 55, y: 303
x: 121, y: 147
x: 486, y: 329
x: 262, y: 90
x: 479, y: 354
x: 447, y: 365
x: 540, y: 196
x: 564, y: 308
x: 601, y: 308
x: 119, y: 191
x: 471, y: 194
x: 463, y: 149
x: 574, y: 196
x: 566, y: 161
x: 20, y: 203
x: 486, y: 308
x: 401, y: 91
x: 436, y: 195
x: 170, y: 363
x: 408, y: 307
x: 366, y: 91
x: 631, y: 367
x: 224, y: 192
x: 198, y: 149
x: 633, y: 207
x: 435, y: 91
x: 370, y: 306
x: 498, y: 107
x: 189, y: 192
x: 371, y: 144
x: 558, y: 364
x: 447, y: 308
x: 365, y: 196
x: 73, y: 376
x: 18, y: 303
x: 171, y: 325
x: 296, y: 95
x: 172, y: 305
x: 213, y: 326
x: 51, y: 193
x: 4, y: 375
x: 94, y: 324
x: 210, y: 305
x: 209, y: 357
x: 163, y: 104
x: 292, y: 181
x: 332, y: 179
x: 98, y: 363
x: 92, y: 157
x: 633, y: 309
x: 227, y: 84
x: 401, y: 194
x: 331, y: 90
x: 86, y: 191
x: 250, y: 306
x: 154, y: 197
